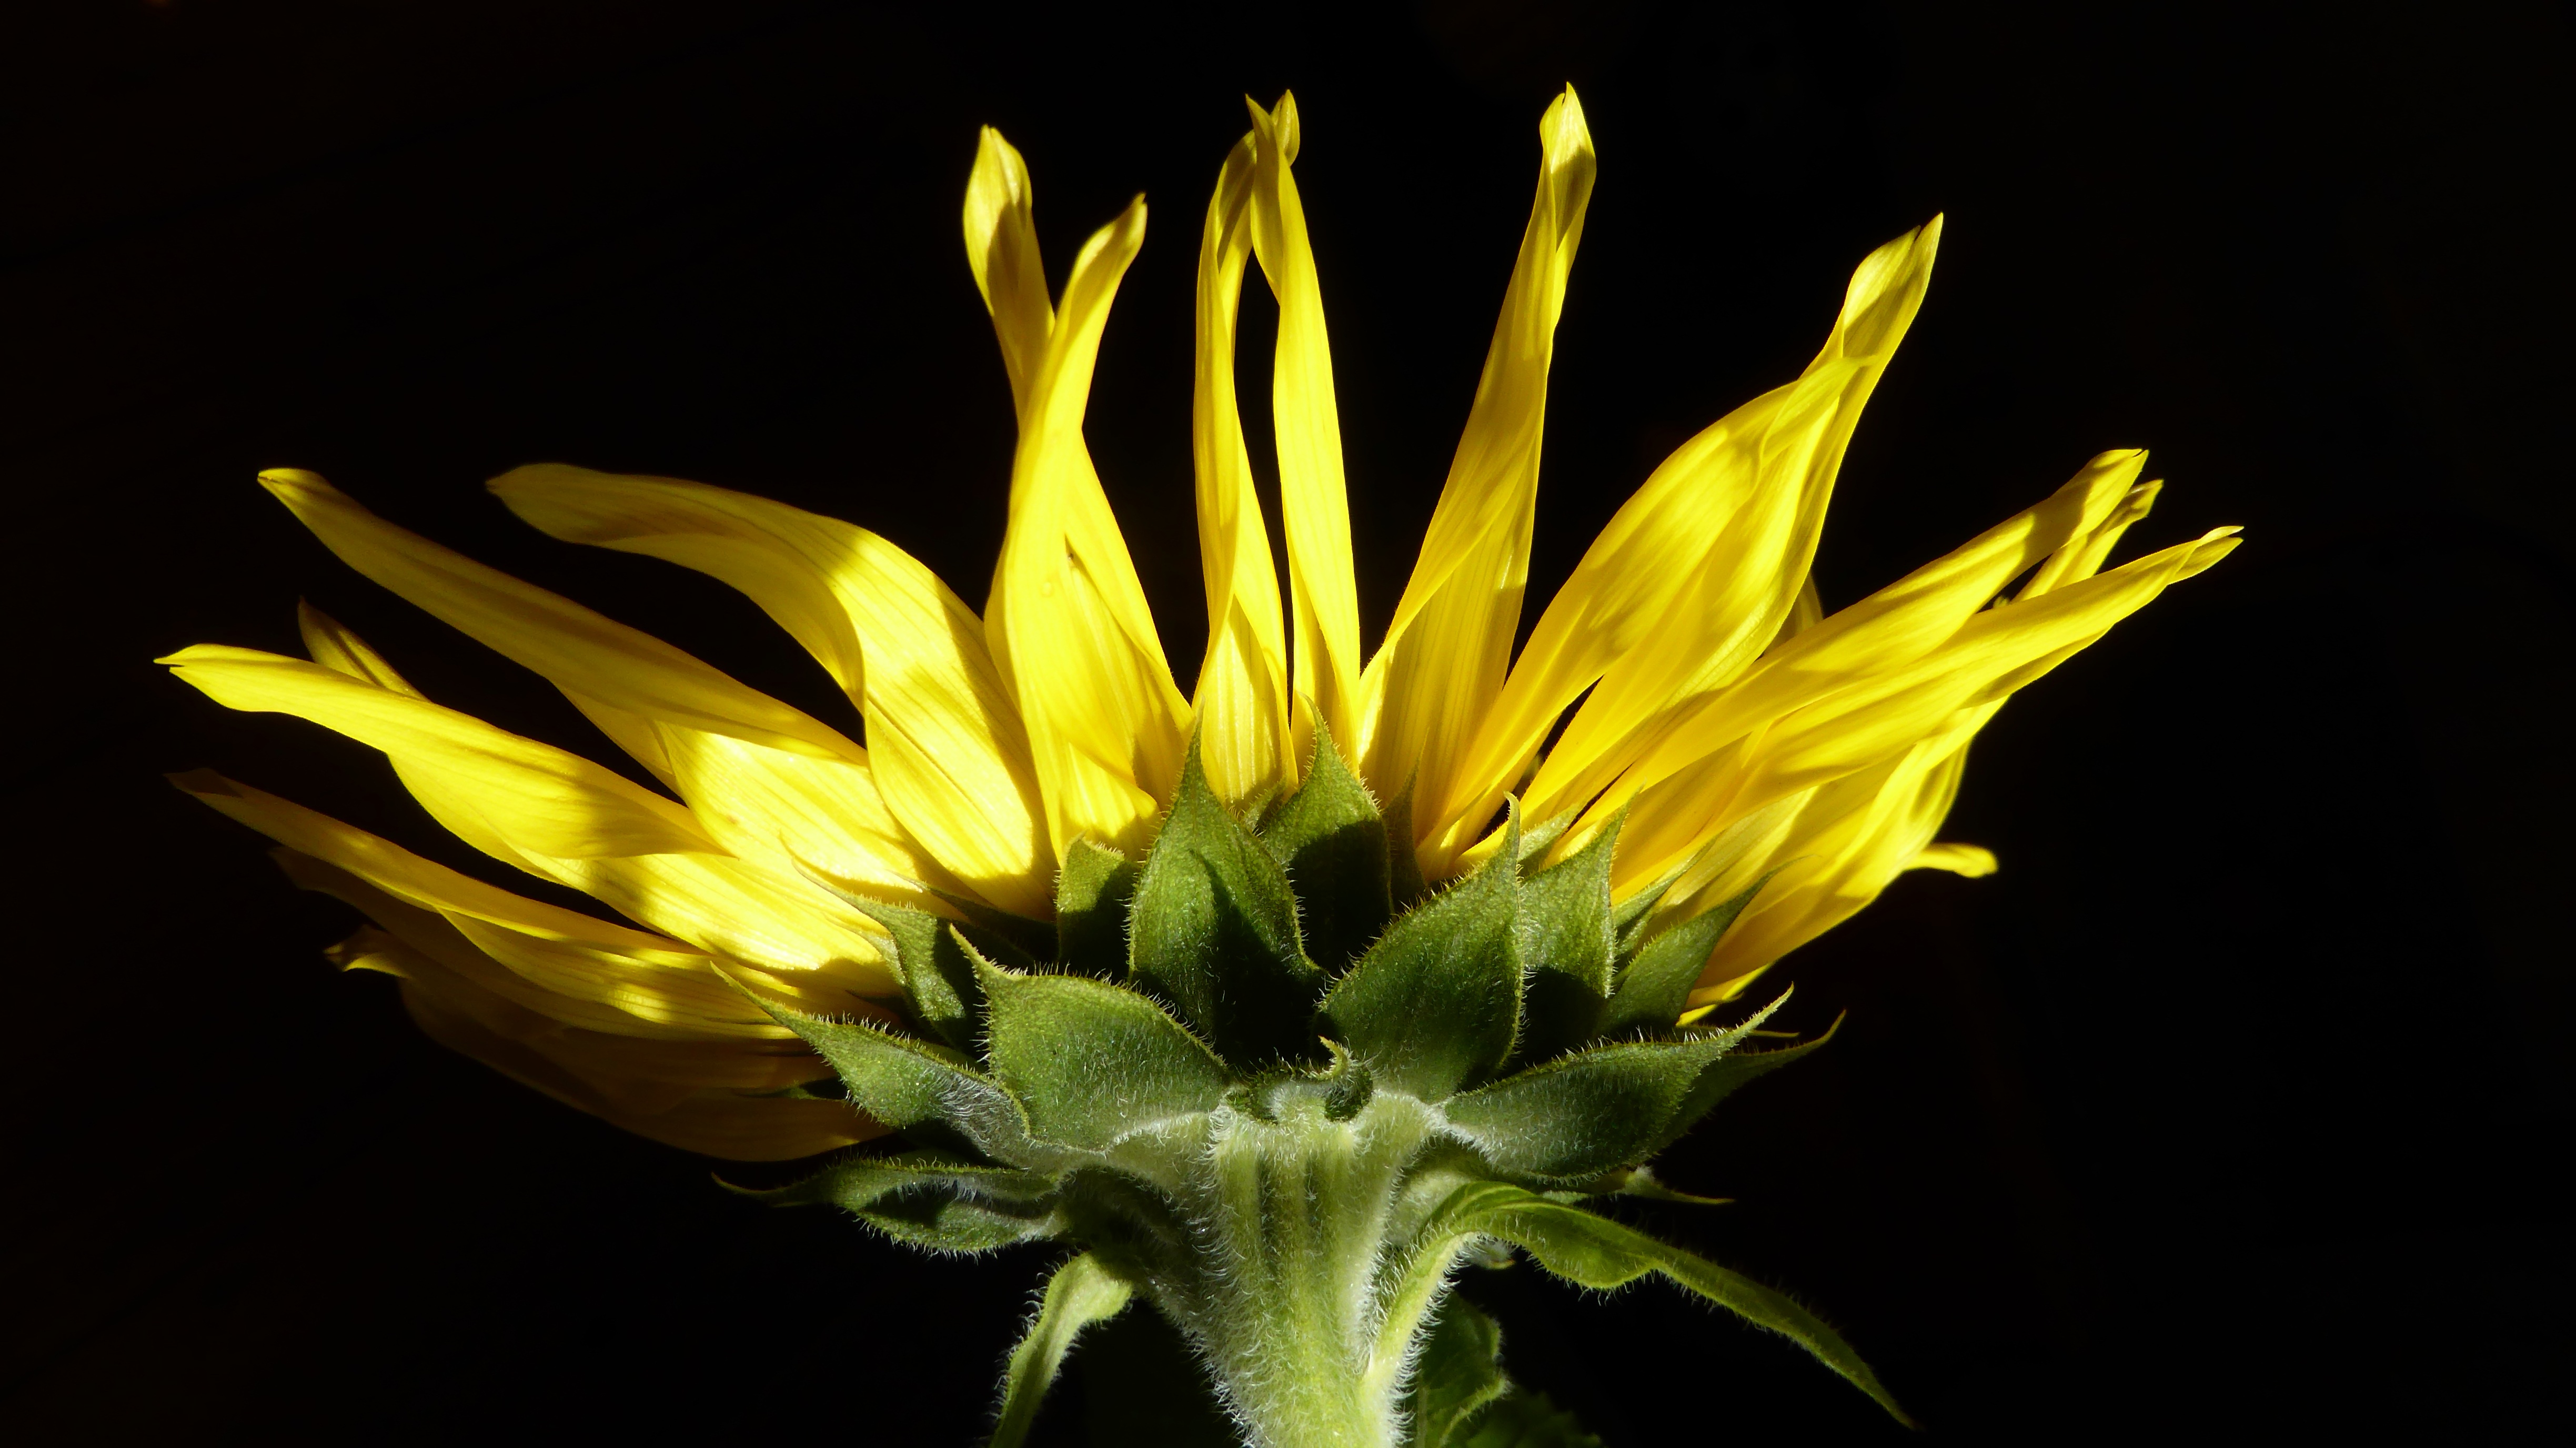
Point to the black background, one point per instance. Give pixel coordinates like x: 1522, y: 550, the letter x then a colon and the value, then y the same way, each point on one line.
x: 2226, y: 1106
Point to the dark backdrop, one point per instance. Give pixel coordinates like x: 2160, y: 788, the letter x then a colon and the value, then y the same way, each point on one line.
x: 2226, y: 1104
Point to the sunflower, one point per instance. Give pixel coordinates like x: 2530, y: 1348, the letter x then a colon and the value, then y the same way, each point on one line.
x: 1691, y: 769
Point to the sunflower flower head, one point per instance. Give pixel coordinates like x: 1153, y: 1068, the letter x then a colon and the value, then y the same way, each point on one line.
x: 1274, y: 999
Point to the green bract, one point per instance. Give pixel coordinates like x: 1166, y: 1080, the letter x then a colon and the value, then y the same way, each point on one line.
x: 1251, y: 1092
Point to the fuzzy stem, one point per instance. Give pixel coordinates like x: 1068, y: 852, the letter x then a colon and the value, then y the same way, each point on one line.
x: 1290, y: 1302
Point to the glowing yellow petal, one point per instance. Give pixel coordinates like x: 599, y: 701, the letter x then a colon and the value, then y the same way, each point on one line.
x: 791, y: 813
x: 945, y: 743
x: 1794, y: 729
x: 1314, y: 504
x: 563, y: 1065
x: 1002, y: 248
x: 1445, y: 652
x: 1853, y: 839
x: 1969, y: 862
x: 1241, y: 708
x: 334, y: 647
x: 537, y: 797
x: 1067, y: 621
x: 1701, y: 570
x: 572, y: 966
x: 577, y: 649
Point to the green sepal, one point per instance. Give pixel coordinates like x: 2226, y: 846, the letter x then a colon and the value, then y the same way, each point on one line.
x: 930, y: 1199
x: 1092, y: 891
x: 907, y: 1083
x: 1643, y: 1183
x: 1566, y: 943
x: 937, y: 964
x: 1727, y: 1073
x: 1436, y: 1002
x: 1598, y: 1253
x: 1536, y: 838
x: 1081, y: 1292
x: 1458, y: 1375
x: 1214, y: 930
x: 1013, y: 940
x: 1655, y: 989
x: 1630, y: 917
x: 1528, y: 1420
x: 1090, y: 1061
x: 1332, y: 840
x: 1591, y: 1112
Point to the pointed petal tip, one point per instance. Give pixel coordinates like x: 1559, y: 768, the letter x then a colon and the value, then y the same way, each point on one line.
x: 285, y: 481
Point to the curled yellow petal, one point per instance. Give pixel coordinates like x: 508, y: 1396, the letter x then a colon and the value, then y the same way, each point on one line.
x: 1968, y: 862
x: 1241, y: 705
x: 945, y: 746
x: 629, y: 1085
x: 577, y: 649
x: 1067, y: 620
x: 1314, y: 502
x: 1443, y: 660
x: 1702, y: 568
x: 535, y: 796
x: 1002, y: 249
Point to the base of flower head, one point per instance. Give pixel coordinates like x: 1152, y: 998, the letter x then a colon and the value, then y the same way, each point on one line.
x: 1288, y: 1147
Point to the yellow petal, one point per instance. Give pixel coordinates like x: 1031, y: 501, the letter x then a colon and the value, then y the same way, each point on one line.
x: 1241, y: 707
x: 1444, y: 656
x: 1314, y: 504
x: 577, y: 649
x: 1067, y: 621
x: 714, y: 1122
x: 536, y: 797
x: 334, y: 647
x: 945, y: 744
x: 574, y: 967
x: 1002, y: 248
x: 1701, y: 570
x: 1854, y: 838
x: 1785, y: 730
x: 791, y: 813
x: 1969, y: 862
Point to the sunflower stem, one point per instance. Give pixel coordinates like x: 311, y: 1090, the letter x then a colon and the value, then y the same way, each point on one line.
x: 1292, y: 1299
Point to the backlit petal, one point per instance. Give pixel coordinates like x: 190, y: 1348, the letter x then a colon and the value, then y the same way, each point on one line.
x: 1241, y: 709
x: 1445, y: 652
x: 1067, y: 621
x: 1314, y: 504
x: 1700, y: 570
x: 945, y: 743
x: 579, y: 650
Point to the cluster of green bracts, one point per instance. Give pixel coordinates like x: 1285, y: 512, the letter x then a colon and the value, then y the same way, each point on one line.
x: 1270, y: 1084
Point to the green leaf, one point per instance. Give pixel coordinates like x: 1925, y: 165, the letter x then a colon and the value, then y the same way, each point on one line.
x: 1080, y: 1293
x: 1528, y: 1420
x: 938, y: 969
x: 1595, y: 1252
x: 1091, y: 1061
x: 1333, y: 841
x: 905, y: 1082
x: 931, y: 1200
x: 1091, y: 895
x: 1437, y: 1000
x: 1457, y: 1376
x: 1215, y: 931
x: 1655, y: 988
x: 1565, y: 942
